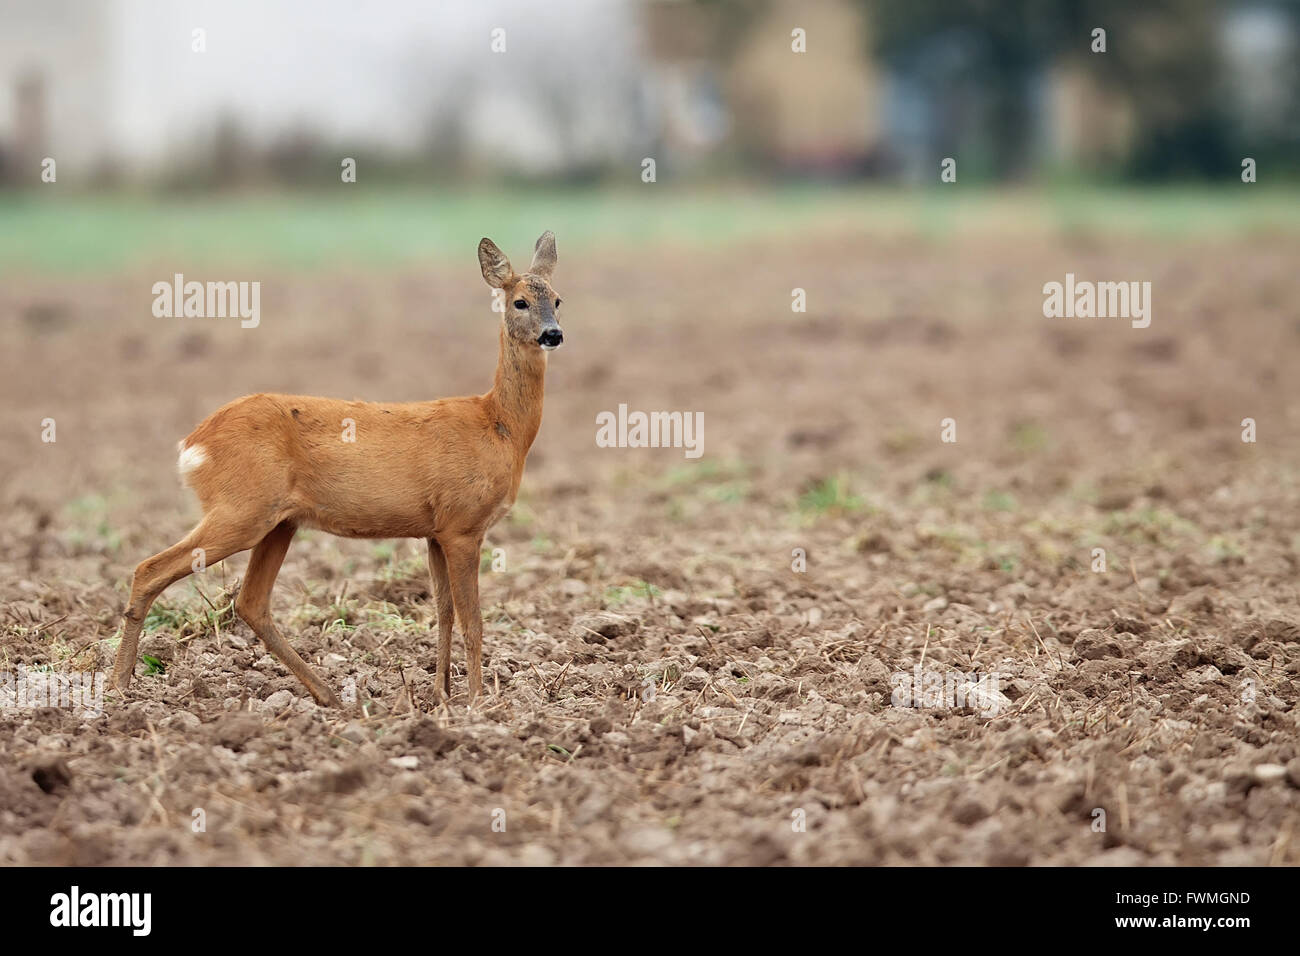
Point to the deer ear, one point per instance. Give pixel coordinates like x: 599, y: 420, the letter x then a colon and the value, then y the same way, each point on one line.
x: 544, y: 255
x: 495, y: 265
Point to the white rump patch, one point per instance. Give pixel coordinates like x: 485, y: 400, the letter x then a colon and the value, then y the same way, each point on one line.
x: 190, y: 459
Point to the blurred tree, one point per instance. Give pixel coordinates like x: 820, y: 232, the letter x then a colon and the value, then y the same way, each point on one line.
x: 977, y: 66
x: 971, y: 64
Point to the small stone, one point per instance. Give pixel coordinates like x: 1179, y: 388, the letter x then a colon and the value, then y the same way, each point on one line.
x: 986, y: 699
x: 408, y: 782
x: 182, y: 720
x: 969, y: 811
x: 355, y: 733
x: 648, y: 841
x: 872, y: 673
x: 535, y: 854
x: 425, y: 734
x: 1209, y: 674
x: 1093, y: 644
x: 161, y: 646
x: 1267, y: 773
x: 600, y: 626
x: 1237, y: 779
x: 935, y: 604
x: 408, y: 762
x: 237, y: 729
x: 278, y: 701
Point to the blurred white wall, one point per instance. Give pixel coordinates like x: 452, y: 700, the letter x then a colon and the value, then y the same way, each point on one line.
x: 123, y: 80
x: 60, y: 50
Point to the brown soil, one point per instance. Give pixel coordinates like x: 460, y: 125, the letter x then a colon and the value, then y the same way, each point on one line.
x: 1161, y: 692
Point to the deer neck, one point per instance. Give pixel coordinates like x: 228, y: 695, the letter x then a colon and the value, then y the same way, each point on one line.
x: 516, y: 396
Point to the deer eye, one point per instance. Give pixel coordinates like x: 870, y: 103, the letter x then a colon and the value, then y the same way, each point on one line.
x: 521, y: 304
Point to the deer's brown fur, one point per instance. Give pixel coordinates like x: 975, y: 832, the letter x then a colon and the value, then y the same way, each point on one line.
x: 265, y: 465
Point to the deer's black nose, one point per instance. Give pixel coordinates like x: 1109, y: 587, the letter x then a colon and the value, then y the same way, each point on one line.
x: 550, y: 339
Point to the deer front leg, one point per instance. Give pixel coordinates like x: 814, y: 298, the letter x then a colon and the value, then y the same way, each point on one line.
x: 462, y: 554
x: 442, y: 596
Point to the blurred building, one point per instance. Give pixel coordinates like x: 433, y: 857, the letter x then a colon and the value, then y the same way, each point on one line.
x: 54, y: 86
x: 730, y: 76
x: 1086, y: 125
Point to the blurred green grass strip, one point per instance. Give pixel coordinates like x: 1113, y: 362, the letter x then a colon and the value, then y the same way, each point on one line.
x: 44, y: 232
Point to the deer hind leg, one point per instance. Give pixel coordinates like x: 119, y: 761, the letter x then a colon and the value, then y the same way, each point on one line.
x: 215, y: 538
x: 462, y: 554
x: 254, y: 606
x: 446, y: 612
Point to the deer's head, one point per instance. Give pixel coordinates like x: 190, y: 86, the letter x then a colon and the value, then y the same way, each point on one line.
x: 530, y: 301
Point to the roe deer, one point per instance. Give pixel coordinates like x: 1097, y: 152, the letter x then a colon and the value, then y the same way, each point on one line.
x: 446, y: 471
